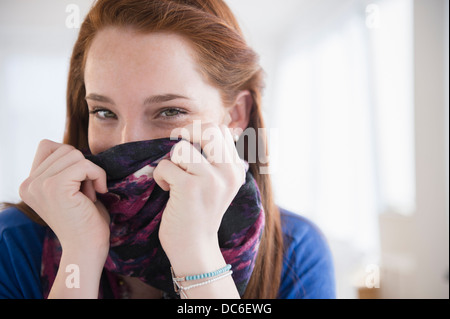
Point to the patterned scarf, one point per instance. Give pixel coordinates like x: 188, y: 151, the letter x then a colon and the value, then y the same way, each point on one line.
x: 136, y: 204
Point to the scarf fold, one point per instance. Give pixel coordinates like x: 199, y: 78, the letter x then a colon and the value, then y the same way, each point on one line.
x: 136, y: 205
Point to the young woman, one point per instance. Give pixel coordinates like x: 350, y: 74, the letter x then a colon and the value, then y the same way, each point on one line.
x: 144, y: 70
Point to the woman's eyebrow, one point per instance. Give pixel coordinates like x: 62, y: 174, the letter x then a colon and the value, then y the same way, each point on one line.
x: 163, y: 98
x: 99, y: 98
x: 150, y: 100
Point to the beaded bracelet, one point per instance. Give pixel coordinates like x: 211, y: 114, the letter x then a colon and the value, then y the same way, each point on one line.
x: 201, y: 276
x: 183, y: 289
x: 214, y: 275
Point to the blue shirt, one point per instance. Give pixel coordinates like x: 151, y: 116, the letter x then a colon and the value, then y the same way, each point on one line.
x: 308, y: 270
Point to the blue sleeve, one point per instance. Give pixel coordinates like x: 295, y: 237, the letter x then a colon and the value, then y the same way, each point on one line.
x: 20, y: 256
x: 308, y: 270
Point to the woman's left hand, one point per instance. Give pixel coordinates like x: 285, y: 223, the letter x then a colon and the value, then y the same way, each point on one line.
x: 201, y: 190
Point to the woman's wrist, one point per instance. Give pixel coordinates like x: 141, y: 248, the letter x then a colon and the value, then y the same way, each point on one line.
x: 189, y: 258
x: 203, y: 258
x: 80, y: 247
x: 79, y: 274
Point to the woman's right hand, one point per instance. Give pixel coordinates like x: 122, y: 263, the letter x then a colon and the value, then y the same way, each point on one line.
x: 61, y: 190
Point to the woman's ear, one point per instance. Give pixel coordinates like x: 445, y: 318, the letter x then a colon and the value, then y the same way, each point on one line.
x: 239, y: 112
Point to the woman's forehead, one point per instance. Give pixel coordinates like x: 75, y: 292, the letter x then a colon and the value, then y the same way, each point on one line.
x: 120, y: 58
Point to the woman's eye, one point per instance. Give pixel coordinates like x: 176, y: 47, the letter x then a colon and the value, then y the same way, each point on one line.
x: 172, y: 112
x: 103, y: 114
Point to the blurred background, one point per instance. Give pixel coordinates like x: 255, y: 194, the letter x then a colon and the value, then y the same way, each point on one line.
x: 357, y: 107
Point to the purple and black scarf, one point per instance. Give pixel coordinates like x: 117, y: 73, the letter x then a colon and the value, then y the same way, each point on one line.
x: 136, y: 204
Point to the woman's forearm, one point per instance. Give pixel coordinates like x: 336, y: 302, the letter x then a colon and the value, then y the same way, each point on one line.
x: 78, y: 275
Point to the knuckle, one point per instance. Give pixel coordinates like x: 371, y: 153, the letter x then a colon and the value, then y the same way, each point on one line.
x: 182, y: 146
x: 32, y: 189
x: 156, y: 170
x: 76, y: 154
x: 102, y: 172
x: 161, y: 165
x: 49, y: 185
x: 23, y: 189
x: 67, y: 148
x: 85, y: 164
x: 45, y: 143
x: 177, y: 147
x: 182, y: 152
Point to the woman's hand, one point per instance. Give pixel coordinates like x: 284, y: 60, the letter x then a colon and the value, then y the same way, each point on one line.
x: 61, y: 190
x: 201, y: 190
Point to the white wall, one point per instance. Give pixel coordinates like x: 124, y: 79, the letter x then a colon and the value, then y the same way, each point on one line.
x: 35, y: 48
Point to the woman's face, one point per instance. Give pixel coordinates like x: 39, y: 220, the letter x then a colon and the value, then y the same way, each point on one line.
x: 142, y: 86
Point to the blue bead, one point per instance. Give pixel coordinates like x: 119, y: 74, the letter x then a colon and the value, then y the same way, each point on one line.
x: 209, y: 274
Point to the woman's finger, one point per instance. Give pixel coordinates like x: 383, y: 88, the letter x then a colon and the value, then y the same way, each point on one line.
x: 58, y: 161
x: 167, y: 174
x: 44, y: 150
x: 233, y: 152
x: 189, y: 158
x: 85, y: 170
x: 231, y: 155
x: 210, y: 138
x: 47, y: 153
x: 87, y: 188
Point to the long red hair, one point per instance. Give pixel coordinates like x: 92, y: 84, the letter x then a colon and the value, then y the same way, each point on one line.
x: 225, y: 60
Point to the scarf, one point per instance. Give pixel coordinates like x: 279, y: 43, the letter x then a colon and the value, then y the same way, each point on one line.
x: 136, y: 205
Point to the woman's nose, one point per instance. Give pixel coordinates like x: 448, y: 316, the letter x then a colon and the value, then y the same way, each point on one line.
x: 132, y: 132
